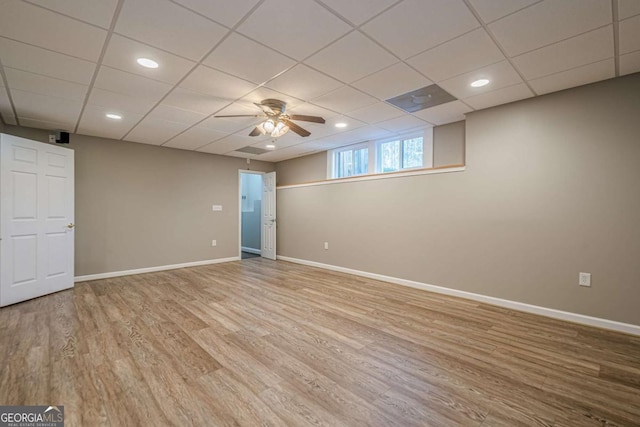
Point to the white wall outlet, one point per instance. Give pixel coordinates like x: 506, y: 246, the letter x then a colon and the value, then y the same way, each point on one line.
x: 216, y: 208
x: 52, y: 138
x: 214, y: 243
x: 326, y: 245
x: 584, y: 279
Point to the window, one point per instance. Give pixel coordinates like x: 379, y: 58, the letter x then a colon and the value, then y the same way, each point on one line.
x: 400, y: 154
x: 409, y: 152
x: 350, y: 162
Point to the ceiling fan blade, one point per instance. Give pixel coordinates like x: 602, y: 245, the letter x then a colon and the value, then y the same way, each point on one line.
x: 256, y: 131
x: 242, y: 115
x: 297, y: 129
x: 314, y: 119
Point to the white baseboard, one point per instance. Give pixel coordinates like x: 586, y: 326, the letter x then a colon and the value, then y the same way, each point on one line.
x: 528, y: 308
x: 251, y: 250
x: 152, y: 269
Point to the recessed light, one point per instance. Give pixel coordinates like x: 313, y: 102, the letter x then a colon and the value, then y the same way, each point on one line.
x: 271, y: 145
x: 480, y: 83
x: 341, y: 125
x: 148, y: 63
x: 114, y: 116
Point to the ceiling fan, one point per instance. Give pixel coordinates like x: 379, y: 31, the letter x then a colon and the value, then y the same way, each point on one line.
x: 278, y: 122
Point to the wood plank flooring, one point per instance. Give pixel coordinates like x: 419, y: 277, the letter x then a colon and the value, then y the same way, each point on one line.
x: 266, y: 343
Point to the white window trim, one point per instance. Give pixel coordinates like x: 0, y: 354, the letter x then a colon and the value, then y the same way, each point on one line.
x: 374, y: 158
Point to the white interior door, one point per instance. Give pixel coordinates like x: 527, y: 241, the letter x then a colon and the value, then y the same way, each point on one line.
x: 36, y: 219
x: 269, y: 215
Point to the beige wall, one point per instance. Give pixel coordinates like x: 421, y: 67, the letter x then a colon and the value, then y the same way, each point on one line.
x: 142, y: 206
x: 448, y: 149
x: 448, y: 144
x: 550, y: 189
x: 303, y: 169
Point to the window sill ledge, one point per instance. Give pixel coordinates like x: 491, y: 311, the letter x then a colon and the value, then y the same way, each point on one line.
x: 388, y: 175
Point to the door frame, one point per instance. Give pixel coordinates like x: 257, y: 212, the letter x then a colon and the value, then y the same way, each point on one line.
x: 240, y: 172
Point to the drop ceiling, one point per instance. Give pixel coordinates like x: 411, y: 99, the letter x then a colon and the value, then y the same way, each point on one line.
x: 66, y: 63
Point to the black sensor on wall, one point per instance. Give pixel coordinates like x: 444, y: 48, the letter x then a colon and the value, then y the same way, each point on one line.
x: 62, y: 137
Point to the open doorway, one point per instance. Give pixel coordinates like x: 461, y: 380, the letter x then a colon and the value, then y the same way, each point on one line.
x: 250, y: 214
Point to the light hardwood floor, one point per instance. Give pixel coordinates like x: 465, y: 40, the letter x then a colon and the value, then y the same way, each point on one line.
x: 260, y: 342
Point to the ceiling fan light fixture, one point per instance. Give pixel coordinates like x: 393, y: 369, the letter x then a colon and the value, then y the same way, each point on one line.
x: 268, y: 126
x: 280, y: 129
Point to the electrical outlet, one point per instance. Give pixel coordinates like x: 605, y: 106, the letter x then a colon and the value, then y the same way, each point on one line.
x: 52, y: 138
x: 584, y: 279
x: 216, y: 208
x: 326, y: 245
x: 214, y: 243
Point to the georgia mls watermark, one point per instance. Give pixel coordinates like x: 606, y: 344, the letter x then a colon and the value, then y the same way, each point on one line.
x: 31, y: 416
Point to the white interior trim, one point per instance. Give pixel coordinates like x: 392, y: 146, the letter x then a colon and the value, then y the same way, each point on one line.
x: 152, y: 269
x: 375, y: 176
x: 534, y: 309
x: 251, y: 250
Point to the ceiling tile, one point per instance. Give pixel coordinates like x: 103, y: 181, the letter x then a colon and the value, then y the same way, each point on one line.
x: 580, y: 50
x: 392, y: 81
x: 500, y: 96
x: 358, y: 11
x: 130, y: 84
x: 501, y: 75
x: 46, y: 108
x: 195, y: 138
x: 262, y: 93
x: 41, y: 61
x: 43, y: 124
x: 630, y: 63
x: 628, y: 8
x: 630, y: 35
x: 351, y: 58
x: 168, y: 26
x: 221, y: 85
x: 575, y: 77
x: 227, y: 144
x: 122, y: 54
x: 155, y: 131
x: 490, y: 10
x: 94, y: 122
x: 120, y: 103
x: 97, y: 12
x: 233, y: 124
x: 376, y: 113
x: 194, y: 101
x: 521, y: 32
x: 465, y: 53
x: 174, y: 114
x: 444, y: 113
x: 403, y: 123
x: 312, y: 110
x: 44, y: 85
x: 296, y: 28
x: 415, y: 25
x: 304, y: 83
x: 344, y: 99
x: 34, y: 25
x: 239, y: 56
x: 355, y: 136
x: 223, y: 11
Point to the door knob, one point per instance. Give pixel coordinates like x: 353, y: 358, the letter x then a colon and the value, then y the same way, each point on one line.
x: 71, y: 225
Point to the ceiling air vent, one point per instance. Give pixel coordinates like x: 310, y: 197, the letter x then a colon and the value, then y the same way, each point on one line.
x: 252, y: 150
x: 419, y: 99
